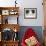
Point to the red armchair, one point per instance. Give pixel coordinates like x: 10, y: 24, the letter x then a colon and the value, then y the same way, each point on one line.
x: 29, y: 36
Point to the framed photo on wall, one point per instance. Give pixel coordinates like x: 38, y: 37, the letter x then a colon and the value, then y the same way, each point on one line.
x: 30, y: 13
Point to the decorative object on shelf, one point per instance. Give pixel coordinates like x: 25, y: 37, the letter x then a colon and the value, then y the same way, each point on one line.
x: 15, y: 30
x: 13, y: 12
x: 30, y: 13
x: 7, y: 34
x: 6, y: 21
x: 9, y: 11
x: 15, y: 3
x: 15, y: 37
x: 15, y: 34
x: 5, y: 12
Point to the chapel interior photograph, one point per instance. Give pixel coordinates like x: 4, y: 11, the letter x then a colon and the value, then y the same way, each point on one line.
x: 22, y: 22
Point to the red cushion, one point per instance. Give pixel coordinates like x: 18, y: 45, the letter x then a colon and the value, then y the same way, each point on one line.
x: 29, y: 33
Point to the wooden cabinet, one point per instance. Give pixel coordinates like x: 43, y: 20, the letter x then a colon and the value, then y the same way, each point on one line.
x: 44, y: 36
x: 5, y: 13
x: 44, y: 6
x: 10, y: 43
x: 44, y: 9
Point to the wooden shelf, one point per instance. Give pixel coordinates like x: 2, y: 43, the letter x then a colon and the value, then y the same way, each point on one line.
x: 9, y: 10
x: 9, y: 43
x: 3, y: 8
x: 6, y: 12
x: 10, y: 26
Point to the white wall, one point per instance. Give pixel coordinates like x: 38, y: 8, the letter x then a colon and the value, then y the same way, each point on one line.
x: 27, y: 4
x: 32, y: 22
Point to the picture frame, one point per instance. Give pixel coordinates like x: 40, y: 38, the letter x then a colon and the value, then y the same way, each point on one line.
x: 5, y: 12
x: 30, y: 13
